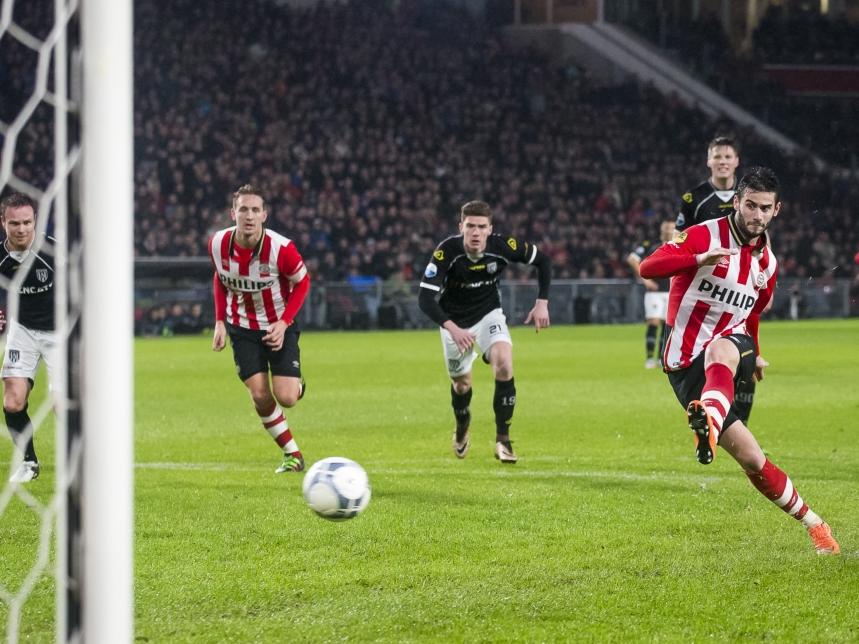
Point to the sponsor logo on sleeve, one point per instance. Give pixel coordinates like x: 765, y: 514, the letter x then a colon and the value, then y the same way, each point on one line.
x: 680, y: 238
x: 431, y: 270
x: 439, y: 255
x: 687, y: 197
x: 512, y: 243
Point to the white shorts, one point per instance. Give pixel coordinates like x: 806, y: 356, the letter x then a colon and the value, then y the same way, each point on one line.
x: 655, y: 305
x: 491, y: 328
x: 24, y: 348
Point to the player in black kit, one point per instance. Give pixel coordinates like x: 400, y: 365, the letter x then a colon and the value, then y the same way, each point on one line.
x: 31, y: 331
x: 465, y: 270
x: 712, y: 199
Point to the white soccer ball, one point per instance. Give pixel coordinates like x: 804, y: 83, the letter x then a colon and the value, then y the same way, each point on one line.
x: 336, y: 488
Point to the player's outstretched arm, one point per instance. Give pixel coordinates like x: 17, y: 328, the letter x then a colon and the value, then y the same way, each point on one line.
x: 687, y: 252
x: 713, y: 257
x: 539, y: 315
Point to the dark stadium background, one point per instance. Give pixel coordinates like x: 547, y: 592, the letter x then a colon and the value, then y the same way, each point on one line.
x: 368, y: 123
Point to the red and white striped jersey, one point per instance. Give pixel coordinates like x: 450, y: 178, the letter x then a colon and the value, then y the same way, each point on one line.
x: 256, y: 283
x: 707, y: 302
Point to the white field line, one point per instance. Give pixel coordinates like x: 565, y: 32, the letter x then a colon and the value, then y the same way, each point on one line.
x: 506, y: 472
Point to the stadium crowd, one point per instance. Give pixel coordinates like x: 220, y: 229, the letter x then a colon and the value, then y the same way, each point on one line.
x: 369, y: 125
x: 784, y: 35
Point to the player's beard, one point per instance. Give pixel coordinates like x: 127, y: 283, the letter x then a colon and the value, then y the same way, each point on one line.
x: 747, y: 234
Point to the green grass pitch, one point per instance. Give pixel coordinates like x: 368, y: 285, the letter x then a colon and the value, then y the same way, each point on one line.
x: 606, y: 530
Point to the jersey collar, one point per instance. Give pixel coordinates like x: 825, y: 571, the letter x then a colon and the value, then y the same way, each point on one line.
x: 18, y: 255
x: 256, y: 250
x: 763, y: 238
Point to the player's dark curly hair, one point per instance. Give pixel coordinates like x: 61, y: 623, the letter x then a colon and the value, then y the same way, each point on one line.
x: 475, y: 209
x: 16, y: 200
x: 247, y: 189
x: 759, y: 179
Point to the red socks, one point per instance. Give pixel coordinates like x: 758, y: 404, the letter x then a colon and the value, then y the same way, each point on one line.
x: 778, y: 488
x: 718, y: 393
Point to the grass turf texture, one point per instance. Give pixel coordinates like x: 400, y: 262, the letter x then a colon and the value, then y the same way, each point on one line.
x: 607, y: 529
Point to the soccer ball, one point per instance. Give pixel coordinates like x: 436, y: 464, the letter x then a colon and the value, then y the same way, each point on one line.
x: 336, y: 488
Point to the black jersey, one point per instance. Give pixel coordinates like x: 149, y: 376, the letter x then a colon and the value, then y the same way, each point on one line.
x: 704, y: 203
x: 469, y: 287
x: 36, y: 292
x: 645, y: 249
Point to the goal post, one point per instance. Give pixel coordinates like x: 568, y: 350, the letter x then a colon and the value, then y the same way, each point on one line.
x: 107, y: 322
x: 74, y: 58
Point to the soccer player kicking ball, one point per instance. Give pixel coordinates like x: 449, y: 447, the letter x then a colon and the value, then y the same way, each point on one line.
x: 260, y: 283
x: 724, y: 276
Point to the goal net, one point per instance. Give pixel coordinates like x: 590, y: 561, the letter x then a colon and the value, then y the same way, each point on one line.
x: 66, y: 142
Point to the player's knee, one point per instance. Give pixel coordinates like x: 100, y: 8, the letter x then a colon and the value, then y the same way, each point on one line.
x: 287, y: 391
x: 501, y: 359
x: 13, y: 402
x: 503, y: 370
x: 461, y: 385
x: 288, y: 399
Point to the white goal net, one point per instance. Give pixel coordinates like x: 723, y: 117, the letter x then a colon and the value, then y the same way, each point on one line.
x: 66, y: 142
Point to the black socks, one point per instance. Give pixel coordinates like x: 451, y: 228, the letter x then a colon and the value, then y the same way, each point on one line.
x: 18, y: 423
x: 503, y: 403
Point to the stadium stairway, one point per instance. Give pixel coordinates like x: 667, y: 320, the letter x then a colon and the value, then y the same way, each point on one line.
x: 629, y: 53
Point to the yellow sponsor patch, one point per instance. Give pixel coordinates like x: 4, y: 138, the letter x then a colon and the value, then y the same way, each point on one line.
x: 439, y: 255
x: 511, y: 243
x: 680, y: 238
x: 687, y: 197
x: 477, y: 267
